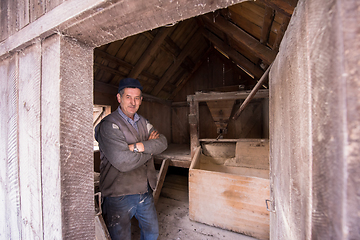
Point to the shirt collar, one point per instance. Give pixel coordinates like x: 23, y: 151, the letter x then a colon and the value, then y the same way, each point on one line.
x: 136, y: 116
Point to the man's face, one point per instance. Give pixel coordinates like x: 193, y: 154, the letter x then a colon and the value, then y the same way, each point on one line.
x: 130, y: 101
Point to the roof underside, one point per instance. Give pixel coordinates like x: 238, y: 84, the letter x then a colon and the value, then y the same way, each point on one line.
x: 164, y: 59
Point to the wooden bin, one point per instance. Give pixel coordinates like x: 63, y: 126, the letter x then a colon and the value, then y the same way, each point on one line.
x: 230, y: 192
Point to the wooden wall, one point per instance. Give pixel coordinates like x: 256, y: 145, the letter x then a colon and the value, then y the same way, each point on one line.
x: 17, y: 14
x: 46, y: 181
x: 46, y: 102
x: 314, y: 124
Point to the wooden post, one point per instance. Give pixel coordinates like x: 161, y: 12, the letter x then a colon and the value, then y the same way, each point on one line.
x: 161, y: 178
x: 194, y: 124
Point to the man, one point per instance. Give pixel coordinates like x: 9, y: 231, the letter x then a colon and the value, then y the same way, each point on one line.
x: 127, y: 142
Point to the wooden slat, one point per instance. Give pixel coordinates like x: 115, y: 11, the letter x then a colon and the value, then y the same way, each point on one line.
x: 234, y: 55
x: 52, y: 4
x: 194, y: 125
x: 161, y: 178
x: 264, y: 53
x: 29, y: 142
x: 9, y: 178
x: 13, y: 187
x: 3, y: 148
x: 37, y: 9
x: 216, y: 96
x: 185, y: 52
x: 23, y: 13
x: 50, y: 136
x: 4, y: 30
x: 150, y: 52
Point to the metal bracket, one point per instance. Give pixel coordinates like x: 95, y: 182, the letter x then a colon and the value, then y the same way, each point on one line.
x: 272, y: 206
x: 98, y: 210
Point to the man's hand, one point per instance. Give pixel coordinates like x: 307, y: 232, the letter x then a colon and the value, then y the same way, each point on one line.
x: 154, y: 135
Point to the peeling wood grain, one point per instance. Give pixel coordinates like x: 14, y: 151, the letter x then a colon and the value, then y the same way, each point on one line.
x: 13, y: 188
x: 50, y: 138
x: 29, y: 142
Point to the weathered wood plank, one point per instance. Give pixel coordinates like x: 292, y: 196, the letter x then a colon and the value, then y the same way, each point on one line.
x: 13, y: 188
x: 37, y: 9
x: 29, y: 142
x: 194, y: 125
x: 23, y: 13
x: 4, y: 229
x: 76, y: 139
x: 50, y: 138
x: 4, y: 24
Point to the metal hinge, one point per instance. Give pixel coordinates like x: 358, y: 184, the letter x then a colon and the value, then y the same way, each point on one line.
x: 272, y: 203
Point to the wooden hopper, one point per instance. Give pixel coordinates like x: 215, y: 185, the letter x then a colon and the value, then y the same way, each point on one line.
x: 220, y: 112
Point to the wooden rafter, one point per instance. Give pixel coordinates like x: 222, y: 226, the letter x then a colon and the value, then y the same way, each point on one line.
x: 234, y: 55
x: 121, y: 63
x: 240, y: 36
x: 185, y: 78
x: 150, y: 52
x: 266, y: 27
x: 177, y: 62
x: 283, y: 6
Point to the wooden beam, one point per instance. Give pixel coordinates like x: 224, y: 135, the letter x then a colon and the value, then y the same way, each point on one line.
x: 216, y: 96
x: 240, y: 36
x: 122, y: 63
x: 150, y: 52
x: 281, y: 32
x: 285, y: 7
x: 266, y: 27
x: 180, y: 84
x: 194, y: 124
x: 172, y: 69
x: 234, y: 55
x: 252, y: 93
x: 110, y: 70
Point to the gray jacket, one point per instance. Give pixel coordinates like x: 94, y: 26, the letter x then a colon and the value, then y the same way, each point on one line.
x: 123, y: 172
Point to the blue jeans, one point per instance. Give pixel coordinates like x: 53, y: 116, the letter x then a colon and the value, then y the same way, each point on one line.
x: 118, y: 212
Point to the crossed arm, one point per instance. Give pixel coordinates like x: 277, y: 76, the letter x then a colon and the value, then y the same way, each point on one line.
x: 153, y: 135
x: 120, y: 154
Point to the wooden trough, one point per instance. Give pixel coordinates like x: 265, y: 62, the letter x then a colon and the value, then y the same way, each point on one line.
x: 228, y: 186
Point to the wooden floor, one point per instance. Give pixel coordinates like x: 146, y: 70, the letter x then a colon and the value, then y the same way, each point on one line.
x: 173, y: 213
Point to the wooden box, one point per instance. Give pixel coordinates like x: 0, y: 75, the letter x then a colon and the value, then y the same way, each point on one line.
x: 228, y: 186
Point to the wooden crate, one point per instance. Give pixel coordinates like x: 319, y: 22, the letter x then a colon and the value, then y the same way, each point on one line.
x: 230, y: 197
